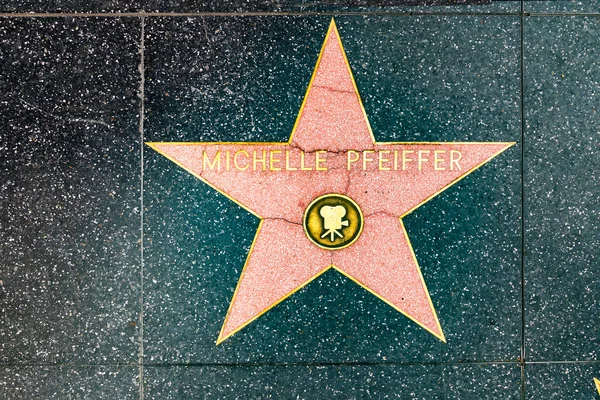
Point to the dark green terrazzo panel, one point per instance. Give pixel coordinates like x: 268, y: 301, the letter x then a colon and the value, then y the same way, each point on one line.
x: 562, y: 381
x: 437, y: 78
x: 562, y: 187
x: 467, y: 240
x: 562, y: 6
x: 425, y: 382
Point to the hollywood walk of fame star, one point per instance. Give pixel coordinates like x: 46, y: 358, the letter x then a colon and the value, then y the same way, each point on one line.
x: 331, y: 152
x: 597, y: 382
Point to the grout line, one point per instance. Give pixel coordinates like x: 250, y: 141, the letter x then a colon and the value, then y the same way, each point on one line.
x: 522, y: 78
x: 142, y: 111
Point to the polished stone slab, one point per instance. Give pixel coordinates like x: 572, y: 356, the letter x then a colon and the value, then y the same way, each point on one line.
x: 68, y: 382
x: 348, y: 6
x: 207, y: 81
x: 69, y: 6
x: 562, y: 7
x: 562, y: 381
x: 70, y: 197
x: 562, y: 237
x: 171, y: 6
x: 335, y: 382
x: 226, y: 79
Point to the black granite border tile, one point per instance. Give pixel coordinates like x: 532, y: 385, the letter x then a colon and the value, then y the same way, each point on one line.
x: 68, y: 382
x: 253, y: 6
x: 69, y: 231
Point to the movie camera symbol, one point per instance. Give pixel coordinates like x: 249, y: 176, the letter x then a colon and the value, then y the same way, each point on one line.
x: 332, y: 221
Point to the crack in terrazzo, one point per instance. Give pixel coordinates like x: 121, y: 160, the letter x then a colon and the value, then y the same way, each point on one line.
x: 64, y: 118
x: 208, y: 41
x: 342, y: 168
x: 333, y: 90
x: 348, y: 182
x: 282, y: 219
x: 293, y: 144
x: 384, y: 213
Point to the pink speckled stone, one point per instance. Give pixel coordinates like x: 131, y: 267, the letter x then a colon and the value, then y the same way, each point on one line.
x: 382, y: 261
x: 268, y: 194
x: 283, y: 259
x: 332, y: 117
x: 398, y: 192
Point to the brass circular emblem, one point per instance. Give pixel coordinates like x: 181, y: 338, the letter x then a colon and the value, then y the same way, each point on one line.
x: 333, y: 221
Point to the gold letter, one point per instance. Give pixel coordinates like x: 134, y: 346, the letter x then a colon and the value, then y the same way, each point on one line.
x: 319, y: 160
x: 288, y: 167
x: 262, y: 160
x: 350, y: 160
x: 302, y: 167
x: 216, y: 161
x: 406, y: 159
x: 421, y: 159
x: 437, y: 160
x: 382, y: 160
x: 235, y: 160
x: 454, y: 160
x: 273, y: 161
x: 366, y: 159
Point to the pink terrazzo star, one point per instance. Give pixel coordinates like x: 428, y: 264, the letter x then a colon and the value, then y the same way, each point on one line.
x: 277, y: 181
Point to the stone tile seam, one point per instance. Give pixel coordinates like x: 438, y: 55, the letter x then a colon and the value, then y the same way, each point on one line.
x: 141, y: 129
x: 522, y: 173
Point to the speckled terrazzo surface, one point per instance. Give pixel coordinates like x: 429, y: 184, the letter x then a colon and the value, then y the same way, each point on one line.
x: 117, y: 267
